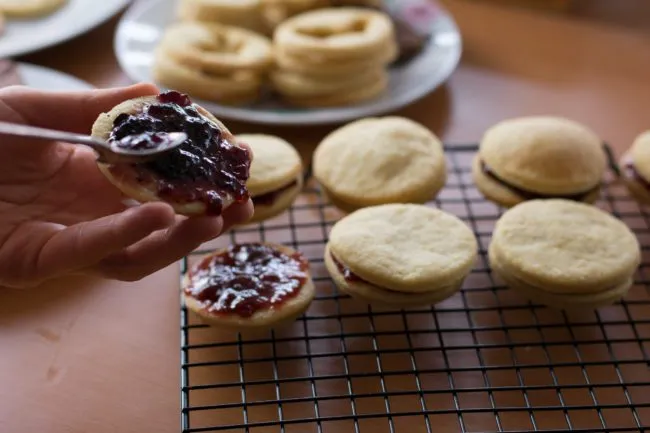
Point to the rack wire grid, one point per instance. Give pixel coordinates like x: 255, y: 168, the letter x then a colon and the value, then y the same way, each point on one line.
x: 484, y: 360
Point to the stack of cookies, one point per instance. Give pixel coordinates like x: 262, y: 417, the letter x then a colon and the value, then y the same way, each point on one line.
x: 215, y: 62
x: 333, y: 56
x: 246, y: 14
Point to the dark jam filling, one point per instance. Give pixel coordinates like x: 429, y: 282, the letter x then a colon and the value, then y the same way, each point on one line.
x: 631, y: 172
x: 346, y: 272
x: 269, y: 198
x: 144, y: 141
x: 206, y: 167
x: 530, y: 195
x: 247, y: 278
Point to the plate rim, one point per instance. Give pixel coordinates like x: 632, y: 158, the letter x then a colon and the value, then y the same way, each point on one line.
x: 326, y: 116
x: 83, y: 28
x: 83, y: 85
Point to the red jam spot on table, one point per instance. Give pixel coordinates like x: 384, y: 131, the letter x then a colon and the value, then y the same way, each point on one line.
x: 529, y: 195
x: 269, y: 198
x: 207, y: 167
x: 247, y: 278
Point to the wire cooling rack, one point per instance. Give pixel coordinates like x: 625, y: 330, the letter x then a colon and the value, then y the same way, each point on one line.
x: 485, y: 360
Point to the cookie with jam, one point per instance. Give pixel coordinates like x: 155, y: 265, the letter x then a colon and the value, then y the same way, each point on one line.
x: 635, y: 168
x: 539, y: 158
x: 248, y: 286
x: 203, y: 176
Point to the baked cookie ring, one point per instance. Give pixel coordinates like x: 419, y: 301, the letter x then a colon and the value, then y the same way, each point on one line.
x: 303, y: 86
x: 239, y: 13
x: 248, y: 286
x: 319, y: 68
x: 30, y: 8
x: 364, y: 93
x: 204, y: 176
x: 217, y: 48
x: 336, y: 33
x: 237, y: 88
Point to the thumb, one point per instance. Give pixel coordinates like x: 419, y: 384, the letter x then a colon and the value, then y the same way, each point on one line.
x: 85, y: 244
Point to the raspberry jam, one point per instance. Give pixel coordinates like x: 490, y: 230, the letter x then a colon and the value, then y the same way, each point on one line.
x: 630, y: 171
x: 269, y: 198
x: 530, y: 195
x: 247, y: 278
x: 207, y: 167
x: 346, y: 272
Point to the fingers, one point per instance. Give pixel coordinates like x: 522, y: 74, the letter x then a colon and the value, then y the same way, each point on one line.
x: 69, y: 111
x: 161, y: 249
x: 237, y: 213
x: 83, y: 245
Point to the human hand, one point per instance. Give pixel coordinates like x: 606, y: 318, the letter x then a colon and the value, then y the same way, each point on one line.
x: 60, y: 215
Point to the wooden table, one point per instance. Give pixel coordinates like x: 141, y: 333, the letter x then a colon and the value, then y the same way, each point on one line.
x: 102, y: 357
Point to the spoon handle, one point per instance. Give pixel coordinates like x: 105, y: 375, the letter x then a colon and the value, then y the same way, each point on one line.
x: 18, y: 130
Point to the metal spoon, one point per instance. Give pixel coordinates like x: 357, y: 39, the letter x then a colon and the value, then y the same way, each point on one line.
x: 108, y: 152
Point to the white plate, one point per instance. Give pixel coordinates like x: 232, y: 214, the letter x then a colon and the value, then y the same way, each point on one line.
x: 49, y: 79
x: 77, y: 17
x: 143, y: 24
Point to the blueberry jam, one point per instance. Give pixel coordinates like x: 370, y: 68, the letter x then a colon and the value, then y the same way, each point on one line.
x: 530, y: 195
x: 143, y: 141
x: 247, y: 278
x: 206, y: 167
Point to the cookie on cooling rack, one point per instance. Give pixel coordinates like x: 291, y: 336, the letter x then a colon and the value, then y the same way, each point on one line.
x: 249, y: 286
x: 539, y: 157
x: 564, y: 254
x: 276, y: 176
x: 400, y: 254
x: 204, y: 176
x: 635, y: 168
x: 377, y: 161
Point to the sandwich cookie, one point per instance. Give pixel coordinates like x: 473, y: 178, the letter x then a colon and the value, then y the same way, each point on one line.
x: 539, y: 157
x: 377, y: 161
x: 204, y: 176
x: 635, y: 168
x: 400, y: 254
x: 564, y: 254
x: 276, y: 176
x: 249, y: 286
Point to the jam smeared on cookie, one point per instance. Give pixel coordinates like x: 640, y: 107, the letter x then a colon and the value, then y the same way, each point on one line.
x: 247, y: 278
x: 530, y: 195
x: 630, y: 171
x: 269, y: 198
x: 206, y: 167
x: 346, y: 272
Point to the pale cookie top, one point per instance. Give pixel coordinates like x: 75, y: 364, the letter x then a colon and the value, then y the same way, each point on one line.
x: 379, y: 160
x: 640, y: 153
x: 565, y: 246
x: 276, y: 163
x: 547, y: 155
x: 404, y: 247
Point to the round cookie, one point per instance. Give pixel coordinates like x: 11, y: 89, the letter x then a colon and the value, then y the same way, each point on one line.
x: 635, y: 168
x: 564, y: 253
x: 400, y: 254
x: 539, y: 157
x: 276, y: 176
x: 249, y: 286
x: 174, y: 178
x: 238, y: 13
x: 30, y: 8
x: 377, y: 161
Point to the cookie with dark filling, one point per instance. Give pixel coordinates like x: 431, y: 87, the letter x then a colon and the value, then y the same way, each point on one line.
x: 635, y: 168
x: 203, y: 176
x: 539, y: 158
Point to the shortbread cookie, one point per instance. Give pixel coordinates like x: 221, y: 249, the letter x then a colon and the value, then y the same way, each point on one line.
x: 564, y: 253
x: 539, y: 157
x: 295, y: 86
x: 204, y: 176
x: 217, y: 48
x: 635, y: 168
x: 238, y: 13
x: 400, y: 254
x: 336, y: 33
x: 30, y: 8
x: 275, y: 12
x: 276, y: 176
x: 249, y: 286
x: 380, y: 160
x: 230, y: 88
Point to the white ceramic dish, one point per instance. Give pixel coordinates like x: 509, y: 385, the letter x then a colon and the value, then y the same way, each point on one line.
x: 143, y: 24
x: 49, y: 79
x: 75, y: 18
